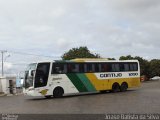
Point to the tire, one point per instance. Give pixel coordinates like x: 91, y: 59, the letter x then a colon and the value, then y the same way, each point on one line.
x: 123, y: 87
x: 115, y: 87
x: 58, y: 92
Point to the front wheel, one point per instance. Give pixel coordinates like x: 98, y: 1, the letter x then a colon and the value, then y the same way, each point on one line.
x: 58, y: 92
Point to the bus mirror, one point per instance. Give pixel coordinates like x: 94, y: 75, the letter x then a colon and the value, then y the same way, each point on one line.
x: 31, y: 73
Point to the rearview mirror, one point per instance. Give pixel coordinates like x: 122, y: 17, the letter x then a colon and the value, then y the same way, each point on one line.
x: 31, y: 73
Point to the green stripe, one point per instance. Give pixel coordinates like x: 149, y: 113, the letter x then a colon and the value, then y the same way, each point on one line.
x: 86, y: 82
x: 77, y: 82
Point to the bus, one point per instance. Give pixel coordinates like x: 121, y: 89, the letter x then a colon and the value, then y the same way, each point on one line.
x: 62, y: 77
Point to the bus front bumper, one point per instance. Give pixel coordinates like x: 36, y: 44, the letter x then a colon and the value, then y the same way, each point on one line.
x: 32, y: 93
x: 35, y: 92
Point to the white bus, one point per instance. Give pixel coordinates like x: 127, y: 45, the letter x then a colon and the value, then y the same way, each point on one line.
x: 57, y: 78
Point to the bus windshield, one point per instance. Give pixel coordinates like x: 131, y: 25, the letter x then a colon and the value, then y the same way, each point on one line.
x: 29, y: 75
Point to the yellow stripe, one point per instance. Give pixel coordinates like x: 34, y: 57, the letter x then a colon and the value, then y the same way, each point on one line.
x: 78, y: 60
x: 89, y: 59
x: 106, y: 84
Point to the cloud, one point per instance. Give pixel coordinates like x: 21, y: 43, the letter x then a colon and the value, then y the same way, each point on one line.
x: 50, y: 28
x: 7, y: 65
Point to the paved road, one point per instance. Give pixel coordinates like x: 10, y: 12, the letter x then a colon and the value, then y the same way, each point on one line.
x: 145, y: 99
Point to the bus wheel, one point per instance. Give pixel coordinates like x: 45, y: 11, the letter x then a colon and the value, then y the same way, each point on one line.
x: 48, y: 96
x: 115, y: 87
x: 123, y: 87
x: 58, y: 92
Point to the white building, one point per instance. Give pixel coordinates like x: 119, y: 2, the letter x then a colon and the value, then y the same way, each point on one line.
x: 8, y: 85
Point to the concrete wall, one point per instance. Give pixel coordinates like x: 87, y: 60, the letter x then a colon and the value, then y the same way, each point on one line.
x: 4, y: 84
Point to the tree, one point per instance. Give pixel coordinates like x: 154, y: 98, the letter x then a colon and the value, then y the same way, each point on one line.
x: 144, y: 64
x: 111, y: 58
x: 154, y: 67
x: 128, y: 57
x: 81, y: 52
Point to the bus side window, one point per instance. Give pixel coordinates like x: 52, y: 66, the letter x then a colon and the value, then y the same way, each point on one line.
x: 109, y: 68
x: 54, y: 69
x: 115, y: 67
x: 103, y: 67
x: 97, y: 67
x: 81, y: 68
x: 85, y: 68
x: 59, y: 68
x: 75, y: 68
x: 72, y: 68
x: 133, y: 66
x: 100, y: 67
x: 112, y: 68
x: 126, y: 67
x: 93, y: 67
x: 89, y: 68
x: 121, y: 66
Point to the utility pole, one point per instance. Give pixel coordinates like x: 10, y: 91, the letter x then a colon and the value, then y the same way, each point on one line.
x: 2, y: 52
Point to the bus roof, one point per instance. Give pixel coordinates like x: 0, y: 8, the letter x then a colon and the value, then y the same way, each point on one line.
x: 94, y: 60
x: 86, y: 60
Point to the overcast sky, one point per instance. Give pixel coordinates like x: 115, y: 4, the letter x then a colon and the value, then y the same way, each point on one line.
x: 111, y: 28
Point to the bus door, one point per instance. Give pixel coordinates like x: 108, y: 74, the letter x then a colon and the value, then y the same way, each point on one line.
x: 41, y: 75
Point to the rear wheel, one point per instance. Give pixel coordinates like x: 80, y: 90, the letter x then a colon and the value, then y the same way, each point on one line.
x: 58, y: 92
x: 123, y: 87
x: 115, y: 87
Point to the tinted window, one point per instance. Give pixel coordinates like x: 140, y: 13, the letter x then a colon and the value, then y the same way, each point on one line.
x: 97, y: 67
x: 59, y: 68
x: 73, y: 68
x: 90, y: 67
x: 115, y: 67
x: 81, y: 68
x: 42, y: 73
x: 121, y: 66
x: 63, y: 68
x: 133, y: 66
x: 126, y: 67
x: 105, y: 67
